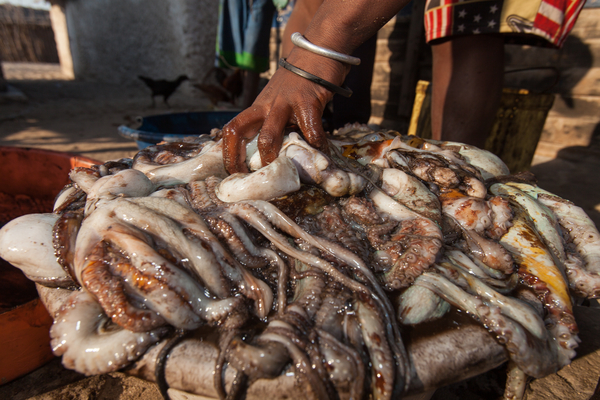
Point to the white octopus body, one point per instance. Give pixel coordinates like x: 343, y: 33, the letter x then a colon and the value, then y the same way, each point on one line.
x: 26, y: 243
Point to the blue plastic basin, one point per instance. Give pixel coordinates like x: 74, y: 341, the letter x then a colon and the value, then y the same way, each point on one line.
x: 174, y: 127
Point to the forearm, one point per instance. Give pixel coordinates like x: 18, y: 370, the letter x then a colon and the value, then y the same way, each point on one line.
x: 342, y: 25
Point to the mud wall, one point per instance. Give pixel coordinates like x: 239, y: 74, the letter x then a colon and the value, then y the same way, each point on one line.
x: 116, y: 40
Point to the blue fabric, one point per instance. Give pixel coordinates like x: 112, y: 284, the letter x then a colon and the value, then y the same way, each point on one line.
x: 244, y: 33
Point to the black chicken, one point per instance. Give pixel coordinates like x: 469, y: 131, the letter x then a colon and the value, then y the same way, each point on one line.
x: 162, y: 87
x: 218, y: 86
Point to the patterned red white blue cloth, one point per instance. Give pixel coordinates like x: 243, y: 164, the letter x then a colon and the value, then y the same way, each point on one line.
x: 536, y: 22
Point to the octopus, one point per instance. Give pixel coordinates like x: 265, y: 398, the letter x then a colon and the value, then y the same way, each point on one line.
x: 316, y: 263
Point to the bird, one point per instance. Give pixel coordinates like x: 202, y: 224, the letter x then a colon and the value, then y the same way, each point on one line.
x: 162, y: 87
x: 219, y: 86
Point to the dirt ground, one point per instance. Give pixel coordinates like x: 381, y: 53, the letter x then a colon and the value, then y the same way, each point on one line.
x: 82, y: 117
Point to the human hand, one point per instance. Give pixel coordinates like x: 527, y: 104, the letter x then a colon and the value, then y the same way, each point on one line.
x: 288, y: 99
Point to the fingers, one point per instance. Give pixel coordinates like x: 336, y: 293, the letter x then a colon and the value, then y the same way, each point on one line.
x: 310, y: 122
x: 235, y: 135
x: 271, y: 136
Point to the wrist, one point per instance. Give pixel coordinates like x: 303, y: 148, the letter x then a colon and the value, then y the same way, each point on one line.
x: 323, y: 67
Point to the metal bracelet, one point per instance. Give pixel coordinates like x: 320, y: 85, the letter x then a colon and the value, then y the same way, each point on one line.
x: 344, y: 91
x: 303, y: 43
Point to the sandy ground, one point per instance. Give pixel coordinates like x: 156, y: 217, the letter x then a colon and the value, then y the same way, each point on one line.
x: 82, y: 117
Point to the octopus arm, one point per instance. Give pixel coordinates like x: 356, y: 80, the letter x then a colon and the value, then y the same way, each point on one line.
x: 84, y: 178
x: 89, y: 345
x: 488, y: 164
x: 151, y: 272
x: 516, y: 382
x: 544, y: 220
x: 270, y: 212
x: 209, y: 162
x: 168, y: 290
x: 488, y: 252
x: 418, y: 304
x: 582, y: 282
x: 537, y: 268
x: 344, y: 363
x: 503, y: 283
x: 260, y: 223
x: 141, y: 213
x: 578, y: 226
x: 424, y: 241
x: 126, y: 183
x: 502, y: 217
x: 511, y: 307
x: 203, y: 260
x: 265, y: 360
x: 302, y: 364
x: 64, y: 238
x: 535, y: 357
x: 470, y: 212
x: 383, y: 366
x: 68, y: 196
x: 409, y: 191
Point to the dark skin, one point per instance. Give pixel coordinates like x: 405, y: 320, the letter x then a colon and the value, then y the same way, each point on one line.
x: 468, y: 75
x: 467, y: 83
x: 291, y: 100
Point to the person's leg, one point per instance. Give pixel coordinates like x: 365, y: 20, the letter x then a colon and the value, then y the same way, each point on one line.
x: 256, y: 54
x: 358, y: 107
x: 466, y: 87
x: 251, y: 80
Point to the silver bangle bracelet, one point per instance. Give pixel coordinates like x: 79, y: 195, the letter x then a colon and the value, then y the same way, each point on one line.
x: 303, y: 43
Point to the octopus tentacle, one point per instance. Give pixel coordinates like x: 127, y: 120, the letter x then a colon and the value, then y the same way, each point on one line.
x: 582, y: 282
x: 258, y: 222
x: 69, y: 198
x: 488, y: 252
x: 544, y: 220
x: 516, y: 382
x: 209, y: 162
x: 103, y: 225
x: 423, y: 241
x: 500, y: 282
x: 359, y: 267
x: 302, y: 364
x: 383, y: 366
x: 203, y: 261
x: 418, y: 304
x: 581, y: 233
x: 353, y: 366
x: 64, y: 235
x: 109, y: 291
x: 413, y: 194
x: 538, y: 270
x: 535, y: 357
x: 510, y: 307
x: 84, y: 178
x: 113, y: 348
x: 488, y: 164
